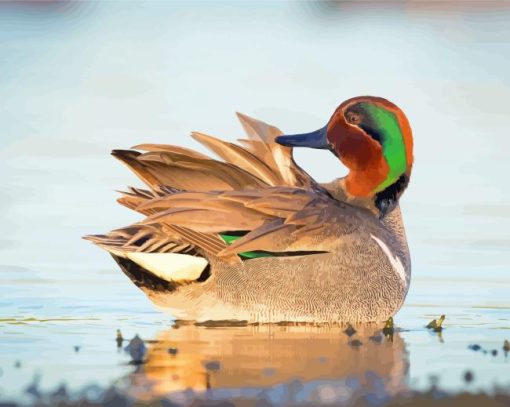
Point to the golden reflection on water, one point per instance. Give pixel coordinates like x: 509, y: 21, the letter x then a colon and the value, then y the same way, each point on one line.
x: 201, y: 358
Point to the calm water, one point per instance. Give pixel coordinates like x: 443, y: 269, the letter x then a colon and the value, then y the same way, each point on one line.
x: 46, y: 314
x: 85, y: 79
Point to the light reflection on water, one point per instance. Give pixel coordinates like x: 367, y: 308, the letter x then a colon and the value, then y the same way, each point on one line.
x: 262, y: 357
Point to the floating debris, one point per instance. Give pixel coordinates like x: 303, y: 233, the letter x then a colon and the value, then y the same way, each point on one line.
x: 60, y: 394
x: 468, y: 376
x: 17, y: 364
x: 212, y: 365
x: 119, y: 338
x: 114, y: 397
x: 376, y: 338
x: 76, y: 349
x: 268, y: 371
x: 431, y: 324
x: 494, y: 352
x: 136, y: 349
x: 173, y: 351
x: 436, y: 325
x: 389, y: 327
x: 475, y: 347
x: 506, y: 347
x: 434, y: 381
x: 355, y: 343
x: 33, y: 388
x: 349, y: 331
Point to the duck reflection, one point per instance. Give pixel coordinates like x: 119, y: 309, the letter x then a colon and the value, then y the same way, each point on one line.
x: 228, y: 357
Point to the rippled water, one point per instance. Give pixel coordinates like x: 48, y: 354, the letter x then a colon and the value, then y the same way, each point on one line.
x: 83, y: 78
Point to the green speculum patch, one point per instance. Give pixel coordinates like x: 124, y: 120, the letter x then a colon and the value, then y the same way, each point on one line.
x: 231, y: 237
x: 392, y: 141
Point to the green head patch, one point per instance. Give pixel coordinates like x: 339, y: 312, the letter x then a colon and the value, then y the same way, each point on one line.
x: 383, y: 126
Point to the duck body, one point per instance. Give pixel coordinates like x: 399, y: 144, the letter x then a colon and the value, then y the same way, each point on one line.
x: 358, y: 281
x: 254, y: 238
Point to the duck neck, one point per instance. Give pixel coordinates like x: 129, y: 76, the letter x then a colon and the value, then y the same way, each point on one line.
x: 338, y: 190
x: 381, y: 205
x: 387, y: 199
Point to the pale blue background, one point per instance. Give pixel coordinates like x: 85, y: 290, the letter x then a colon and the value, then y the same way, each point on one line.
x: 79, y: 79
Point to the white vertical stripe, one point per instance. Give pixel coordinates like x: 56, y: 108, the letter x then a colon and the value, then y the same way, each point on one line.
x: 394, y: 260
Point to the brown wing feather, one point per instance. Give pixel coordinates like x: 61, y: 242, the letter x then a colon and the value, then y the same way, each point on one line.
x: 135, y: 198
x: 277, y: 157
x: 160, y: 238
x: 130, y: 159
x: 240, y: 157
x: 274, y: 217
x: 272, y: 237
x: 171, y: 149
x: 261, y: 163
x: 302, y: 227
x: 193, y: 197
x: 164, y: 168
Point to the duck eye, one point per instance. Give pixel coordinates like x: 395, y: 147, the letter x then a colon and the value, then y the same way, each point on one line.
x: 353, y: 118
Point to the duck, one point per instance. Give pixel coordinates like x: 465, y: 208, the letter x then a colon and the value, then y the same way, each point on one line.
x: 252, y: 237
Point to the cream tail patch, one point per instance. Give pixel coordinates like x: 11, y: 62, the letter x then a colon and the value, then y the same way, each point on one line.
x: 170, y: 266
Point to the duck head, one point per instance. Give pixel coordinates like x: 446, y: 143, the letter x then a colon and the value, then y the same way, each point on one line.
x: 372, y: 137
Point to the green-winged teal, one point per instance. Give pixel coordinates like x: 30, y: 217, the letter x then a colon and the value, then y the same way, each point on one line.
x: 255, y: 238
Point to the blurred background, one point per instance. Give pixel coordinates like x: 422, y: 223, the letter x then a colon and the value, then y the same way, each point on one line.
x: 81, y: 78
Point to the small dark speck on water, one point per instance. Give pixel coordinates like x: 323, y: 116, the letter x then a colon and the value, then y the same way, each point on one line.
x: 436, y: 325
x: 173, y: 351
x: 355, y: 343
x: 389, y: 328
x: 349, y: 331
x: 136, y: 349
x: 60, y: 393
x: 506, y: 346
x: 494, y: 352
x: 113, y: 397
x: 76, y: 349
x: 376, y: 338
x: 212, y: 365
x: 468, y: 376
x: 33, y: 388
x: 268, y: 372
x: 119, y: 338
x: 434, y: 381
x: 475, y: 347
x: 17, y: 364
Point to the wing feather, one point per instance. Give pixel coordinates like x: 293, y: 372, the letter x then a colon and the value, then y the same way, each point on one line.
x: 193, y: 198
x: 171, y: 149
x: 160, y: 169
x: 273, y: 217
x: 240, y: 157
x: 277, y: 157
